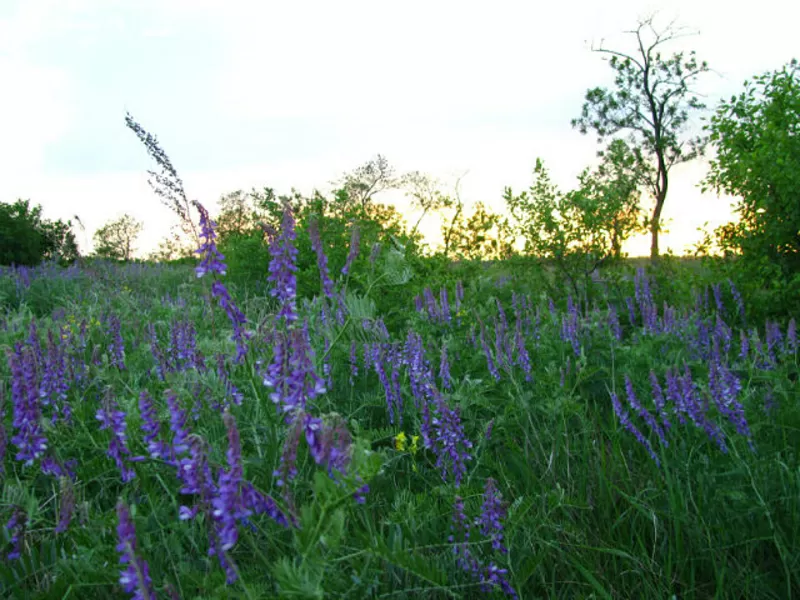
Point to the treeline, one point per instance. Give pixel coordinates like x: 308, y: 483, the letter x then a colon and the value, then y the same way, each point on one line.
x: 643, y: 123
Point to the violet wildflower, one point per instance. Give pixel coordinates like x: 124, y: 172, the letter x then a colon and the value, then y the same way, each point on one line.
x: 177, y: 424
x: 625, y: 420
x: 744, y: 351
x: 643, y: 412
x: 288, y: 463
x: 631, y: 311
x: 16, y: 526
x: 3, y: 435
x: 717, y: 289
x: 29, y: 439
x: 696, y: 410
x: 523, y: 358
x: 135, y: 577
x: 444, y: 304
x: 450, y: 443
x: 737, y: 299
x: 152, y: 428
x: 444, y: 370
x: 725, y: 387
x: 231, y: 389
x: 282, y: 268
x: 227, y: 502
x: 490, y: 363
x: 111, y: 417
x: 492, y: 513
x: 257, y: 503
x: 613, y: 322
x: 212, y: 260
x: 116, y: 347
x: 322, y: 260
x: 292, y: 374
x: 460, y: 528
x: 658, y: 400
x: 494, y: 576
x: 355, y: 237
x: 791, y: 337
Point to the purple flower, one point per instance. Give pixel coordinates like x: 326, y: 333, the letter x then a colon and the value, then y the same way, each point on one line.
x: 282, y: 268
x: 135, y: 577
x: 291, y: 374
x: 737, y: 299
x: 152, y: 428
x: 16, y: 526
x: 492, y: 513
x: 460, y: 529
x: 111, y: 417
x: 791, y: 337
x: 227, y: 504
x: 490, y: 363
x: 658, y: 399
x: 27, y: 416
x: 322, y: 260
x: 353, y: 251
x: 116, y: 347
x: 643, y: 412
x: 625, y: 420
x: 444, y: 370
x: 177, y: 423
x: 449, y: 442
x: 523, y: 358
x: 3, y: 435
x: 212, y: 260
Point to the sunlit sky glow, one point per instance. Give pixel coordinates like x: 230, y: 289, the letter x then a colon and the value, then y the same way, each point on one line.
x: 291, y: 94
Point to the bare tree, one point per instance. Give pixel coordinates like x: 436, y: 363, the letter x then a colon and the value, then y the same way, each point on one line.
x: 373, y: 177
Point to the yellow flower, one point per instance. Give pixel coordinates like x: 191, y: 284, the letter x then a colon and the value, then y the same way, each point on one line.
x: 400, y: 441
x: 414, y: 439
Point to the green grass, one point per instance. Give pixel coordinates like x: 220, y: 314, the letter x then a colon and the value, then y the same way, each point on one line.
x: 589, y: 514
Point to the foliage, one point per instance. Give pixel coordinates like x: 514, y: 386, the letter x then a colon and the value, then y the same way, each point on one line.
x: 115, y: 240
x: 483, y: 235
x: 756, y: 136
x: 652, y: 100
x: 28, y: 239
x: 580, y: 230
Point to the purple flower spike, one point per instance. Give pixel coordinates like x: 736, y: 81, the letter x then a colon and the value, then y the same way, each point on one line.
x: 355, y: 238
x: 135, y: 578
x: 492, y: 514
x: 282, y: 268
x: 111, y: 417
x: 322, y: 260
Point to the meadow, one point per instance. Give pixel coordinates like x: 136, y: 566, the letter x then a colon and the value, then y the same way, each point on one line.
x: 167, y: 433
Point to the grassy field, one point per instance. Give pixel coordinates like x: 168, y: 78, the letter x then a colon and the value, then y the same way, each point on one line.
x: 165, y: 436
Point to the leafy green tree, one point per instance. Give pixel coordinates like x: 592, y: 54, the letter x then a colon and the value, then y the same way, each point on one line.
x: 484, y: 235
x: 28, y: 239
x: 580, y: 230
x: 116, y: 239
x: 756, y: 136
x: 651, y: 101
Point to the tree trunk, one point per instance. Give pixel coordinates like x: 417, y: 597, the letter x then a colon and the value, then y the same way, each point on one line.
x: 655, y: 226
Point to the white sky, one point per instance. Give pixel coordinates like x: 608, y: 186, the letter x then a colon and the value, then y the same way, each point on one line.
x: 253, y: 93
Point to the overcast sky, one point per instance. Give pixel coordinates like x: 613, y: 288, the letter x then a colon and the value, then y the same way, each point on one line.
x: 246, y: 94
